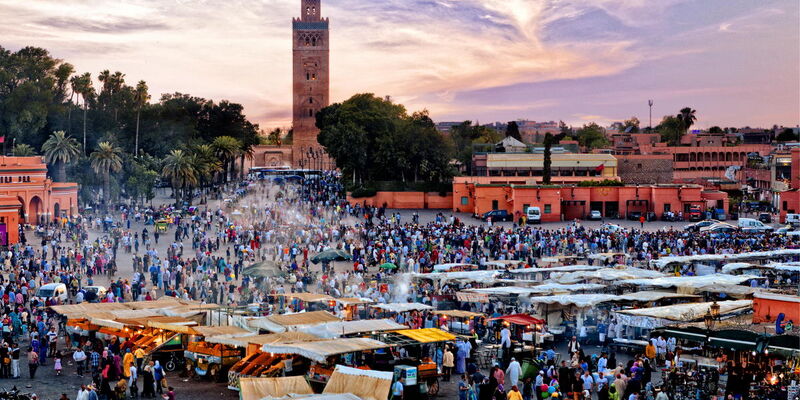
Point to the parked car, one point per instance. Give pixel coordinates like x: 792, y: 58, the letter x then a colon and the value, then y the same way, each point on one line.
x: 634, y: 215
x: 784, y: 230
x: 497, y: 215
x: 719, y: 228
x: 612, y: 228
x: 750, y: 224
x: 51, y: 291
x: 94, y: 294
x: 534, y: 215
x: 793, y: 219
x: 695, y: 214
x: 765, y: 217
x: 695, y: 227
x: 594, y: 215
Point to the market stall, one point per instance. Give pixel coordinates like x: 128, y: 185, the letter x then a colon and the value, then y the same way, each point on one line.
x: 257, y: 363
x: 259, y: 388
x: 204, y: 358
x: 332, y: 330
x: 366, y: 384
x: 412, y: 355
x: 290, y: 322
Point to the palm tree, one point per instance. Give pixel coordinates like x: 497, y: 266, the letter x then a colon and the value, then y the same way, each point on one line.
x: 23, y: 150
x: 179, y: 168
x: 227, y: 149
x: 61, y: 149
x: 245, y: 152
x: 83, y: 85
x: 105, y: 160
x: 141, y: 98
x: 687, y: 118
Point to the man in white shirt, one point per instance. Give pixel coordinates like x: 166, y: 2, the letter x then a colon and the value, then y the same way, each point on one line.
x: 397, y: 389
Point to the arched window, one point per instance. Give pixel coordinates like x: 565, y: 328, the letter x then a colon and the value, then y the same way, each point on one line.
x: 310, y: 100
x: 692, y: 157
x: 308, y: 10
x: 310, y: 113
x: 699, y: 156
x: 313, y: 41
x: 308, y: 76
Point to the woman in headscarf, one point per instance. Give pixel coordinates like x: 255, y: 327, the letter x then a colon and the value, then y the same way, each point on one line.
x: 158, y: 375
x: 148, y: 389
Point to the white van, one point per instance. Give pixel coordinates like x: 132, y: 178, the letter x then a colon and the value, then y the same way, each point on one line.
x: 793, y: 219
x: 751, y: 224
x: 534, y: 215
x: 52, y: 290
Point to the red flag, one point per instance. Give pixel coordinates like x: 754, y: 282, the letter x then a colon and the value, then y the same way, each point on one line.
x: 2, y: 139
x: 600, y: 168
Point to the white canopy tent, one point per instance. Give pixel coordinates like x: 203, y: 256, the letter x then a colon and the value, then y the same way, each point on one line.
x: 402, y: 307
x: 772, y: 254
x: 578, y: 300
x: 693, y: 281
x: 655, y: 317
x: 607, y: 274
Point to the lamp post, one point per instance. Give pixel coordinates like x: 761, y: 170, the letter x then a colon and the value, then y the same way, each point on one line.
x: 714, y: 310
x: 709, y: 320
x: 650, y: 104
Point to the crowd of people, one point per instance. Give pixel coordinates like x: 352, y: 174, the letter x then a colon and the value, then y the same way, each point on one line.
x: 202, y: 254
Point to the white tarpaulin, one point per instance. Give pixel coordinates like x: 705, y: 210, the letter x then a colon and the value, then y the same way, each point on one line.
x: 579, y: 300
x: 607, y: 274
x: 788, y: 267
x: 664, y: 261
x: 649, y: 295
x: 473, y: 276
x: 735, y: 266
x: 332, y: 330
x: 689, y: 311
x: 402, y: 307
x: 566, y: 268
x: 319, y: 351
x: 692, y: 281
x: 540, y: 289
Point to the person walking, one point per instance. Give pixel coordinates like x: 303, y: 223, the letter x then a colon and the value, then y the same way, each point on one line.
x: 397, y: 389
x: 15, y: 360
x: 79, y: 356
x: 513, y: 372
x: 448, y: 364
x: 33, y: 362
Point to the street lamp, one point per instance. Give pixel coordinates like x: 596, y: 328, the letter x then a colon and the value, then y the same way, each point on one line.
x: 714, y: 310
x: 650, y: 104
x: 709, y: 320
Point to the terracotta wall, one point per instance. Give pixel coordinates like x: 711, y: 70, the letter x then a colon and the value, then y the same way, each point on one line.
x: 406, y: 200
x: 763, y: 308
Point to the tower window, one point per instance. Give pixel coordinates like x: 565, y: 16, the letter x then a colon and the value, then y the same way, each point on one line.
x: 308, y: 76
x: 308, y: 10
x: 310, y: 113
x: 313, y: 77
x: 314, y: 41
x: 310, y: 100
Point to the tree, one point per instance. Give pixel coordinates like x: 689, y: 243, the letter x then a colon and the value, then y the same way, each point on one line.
x: 686, y: 118
x: 274, y: 137
x: 179, y: 169
x: 105, y: 160
x: 787, y: 135
x: 141, y: 182
x: 592, y: 136
x: 23, y: 150
x: 715, y: 129
x: 61, y: 150
x: 631, y: 125
x: 547, y: 162
x: 141, y: 99
x: 372, y: 139
x: 83, y: 86
x: 227, y: 149
x: 512, y: 129
x: 670, y: 130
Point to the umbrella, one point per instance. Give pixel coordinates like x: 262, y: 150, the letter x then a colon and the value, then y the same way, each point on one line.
x: 262, y: 269
x: 388, y: 265
x: 330, y: 255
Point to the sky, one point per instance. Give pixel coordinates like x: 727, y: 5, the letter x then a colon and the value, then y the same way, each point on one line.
x: 737, y: 62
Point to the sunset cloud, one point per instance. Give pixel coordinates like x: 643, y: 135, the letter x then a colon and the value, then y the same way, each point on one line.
x: 460, y: 59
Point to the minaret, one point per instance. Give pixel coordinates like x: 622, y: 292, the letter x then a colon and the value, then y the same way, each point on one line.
x: 311, y: 88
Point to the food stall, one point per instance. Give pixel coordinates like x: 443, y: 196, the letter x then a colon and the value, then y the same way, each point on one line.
x: 255, y: 362
x: 336, y: 329
x: 350, y: 310
x: 164, y: 339
x: 416, y: 360
x: 323, y: 356
x: 205, y: 358
x: 366, y: 384
x: 280, y: 387
x: 462, y: 323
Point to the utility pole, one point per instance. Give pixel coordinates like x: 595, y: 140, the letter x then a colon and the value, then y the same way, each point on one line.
x: 650, y: 125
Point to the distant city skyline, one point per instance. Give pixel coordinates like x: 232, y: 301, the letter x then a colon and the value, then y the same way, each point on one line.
x: 736, y: 62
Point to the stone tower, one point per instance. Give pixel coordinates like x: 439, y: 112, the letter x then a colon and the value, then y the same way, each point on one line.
x: 311, y: 87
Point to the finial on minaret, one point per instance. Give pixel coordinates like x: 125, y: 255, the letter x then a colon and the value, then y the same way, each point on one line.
x: 311, y: 10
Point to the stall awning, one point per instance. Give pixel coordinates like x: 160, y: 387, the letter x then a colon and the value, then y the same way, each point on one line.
x: 353, y: 301
x: 282, y: 322
x: 308, y: 297
x: 427, y: 335
x: 457, y: 313
x: 366, y: 384
x: 402, y: 307
x: 218, y: 330
x: 734, y: 339
x: 336, y: 329
x: 692, y: 334
x: 320, y: 350
x: 259, y: 388
x: 519, y: 319
x: 784, y: 344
